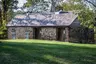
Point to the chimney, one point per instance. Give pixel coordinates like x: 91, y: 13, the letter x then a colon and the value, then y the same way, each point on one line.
x: 60, y: 12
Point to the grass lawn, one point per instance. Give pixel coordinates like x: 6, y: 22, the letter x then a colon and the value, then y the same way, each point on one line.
x: 46, y: 52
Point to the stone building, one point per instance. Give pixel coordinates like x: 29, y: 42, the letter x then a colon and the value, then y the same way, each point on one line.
x: 50, y: 26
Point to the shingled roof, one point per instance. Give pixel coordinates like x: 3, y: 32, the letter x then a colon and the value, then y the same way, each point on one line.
x: 40, y: 19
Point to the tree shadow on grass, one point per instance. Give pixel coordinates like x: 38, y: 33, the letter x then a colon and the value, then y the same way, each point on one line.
x: 40, y: 53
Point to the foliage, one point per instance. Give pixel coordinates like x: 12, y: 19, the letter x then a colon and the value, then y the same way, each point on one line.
x: 0, y: 17
x: 8, y: 5
x: 6, y: 13
x: 40, y: 7
x: 85, y: 15
x: 32, y: 2
x: 43, y: 5
x: 87, y: 18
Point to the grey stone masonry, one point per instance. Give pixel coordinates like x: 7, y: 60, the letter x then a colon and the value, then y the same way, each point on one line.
x: 20, y: 32
x: 48, y: 33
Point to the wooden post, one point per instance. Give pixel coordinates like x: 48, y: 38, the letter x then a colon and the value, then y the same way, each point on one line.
x: 66, y: 34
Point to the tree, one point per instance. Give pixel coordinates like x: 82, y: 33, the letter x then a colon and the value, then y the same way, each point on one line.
x: 32, y: 2
x: 0, y: 14
x: 93, y: 2
x: 93, y: 6
x: 0, y: 18
x: 7, y: 7
x: 43, y: 4
x: 55, y: 3
x: 85, y: 15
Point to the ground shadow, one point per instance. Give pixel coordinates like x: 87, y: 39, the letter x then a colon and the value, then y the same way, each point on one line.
x: 37, y: 53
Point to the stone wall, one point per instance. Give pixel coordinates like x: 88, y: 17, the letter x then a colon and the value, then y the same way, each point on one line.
x: 48, y: 33
x: 20, y: 32
x: 9, y: 33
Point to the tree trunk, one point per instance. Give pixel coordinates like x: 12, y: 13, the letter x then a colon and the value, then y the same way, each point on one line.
x: 0, y: 18
x: 53, y: 6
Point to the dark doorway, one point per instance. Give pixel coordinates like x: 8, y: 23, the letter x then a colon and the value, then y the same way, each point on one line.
x: 59, y: 34
x: 36, y: 33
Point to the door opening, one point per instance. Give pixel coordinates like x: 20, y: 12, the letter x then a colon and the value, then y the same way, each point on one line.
x: 59, y: 34
x: 36, y: 33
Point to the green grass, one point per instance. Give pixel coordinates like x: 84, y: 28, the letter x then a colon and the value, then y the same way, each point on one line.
x: 46, y: 52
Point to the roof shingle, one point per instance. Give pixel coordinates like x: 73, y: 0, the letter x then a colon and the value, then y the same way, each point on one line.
x: 39, y: 19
